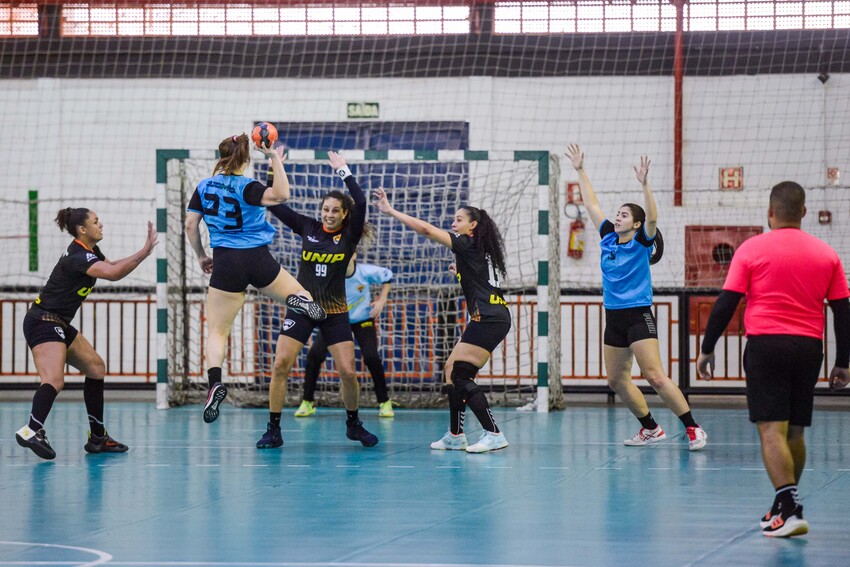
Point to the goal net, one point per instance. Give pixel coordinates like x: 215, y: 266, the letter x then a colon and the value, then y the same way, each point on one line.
x: 425, y: 313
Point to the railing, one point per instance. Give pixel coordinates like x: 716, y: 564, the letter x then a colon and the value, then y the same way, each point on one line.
x: 123, y: 332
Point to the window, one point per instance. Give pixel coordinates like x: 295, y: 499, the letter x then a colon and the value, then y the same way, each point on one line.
x: 18, y: 20
x: 597, y: 16
x: 246, y: 19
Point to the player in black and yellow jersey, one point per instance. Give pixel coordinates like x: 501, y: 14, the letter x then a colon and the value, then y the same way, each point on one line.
x: 55, y: 342
x: 326, y: 248
x: 480, y: 258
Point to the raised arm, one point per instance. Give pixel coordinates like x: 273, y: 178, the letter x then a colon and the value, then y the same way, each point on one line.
x: 427, y: 230
x: 649, y: 206
x: 116, y: 270
x: 358, y: 215
x: 588, y: 195
x: 278, y: 191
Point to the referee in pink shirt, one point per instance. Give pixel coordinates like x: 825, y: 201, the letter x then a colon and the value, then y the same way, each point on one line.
x: 786, y: 275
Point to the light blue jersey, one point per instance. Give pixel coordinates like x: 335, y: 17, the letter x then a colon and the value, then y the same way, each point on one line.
x: 357, y: 291
x: 626, y: 280
x: 232, y: 213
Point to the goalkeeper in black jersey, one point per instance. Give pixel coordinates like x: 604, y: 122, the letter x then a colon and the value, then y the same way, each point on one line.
x: 55, y: 342
x: 480, y: 259
x: 326, y: 248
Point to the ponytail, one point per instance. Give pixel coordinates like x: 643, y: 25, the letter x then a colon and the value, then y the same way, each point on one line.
x: 487, y: 237
x: 657, y: 248
x: 69, y: 219
x: 234, y: 154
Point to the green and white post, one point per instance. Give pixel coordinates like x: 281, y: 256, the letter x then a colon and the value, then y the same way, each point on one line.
x: 162, y: 157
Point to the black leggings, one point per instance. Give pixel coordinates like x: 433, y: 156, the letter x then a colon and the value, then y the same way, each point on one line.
x: 367, y: 340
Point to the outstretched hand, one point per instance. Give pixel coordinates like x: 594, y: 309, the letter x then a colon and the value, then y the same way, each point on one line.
x: 151, y: 240
x: 337, y: 161
x: 379, y: 198
x: 575, y: 155
x: 271, y: 151
x: 643, y: 171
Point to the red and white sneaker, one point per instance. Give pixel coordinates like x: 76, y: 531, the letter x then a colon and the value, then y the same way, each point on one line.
x: 696, y: 438
x: 646, y: 437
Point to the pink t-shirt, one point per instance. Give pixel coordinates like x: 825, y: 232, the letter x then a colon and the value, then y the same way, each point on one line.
x: 786, y: 275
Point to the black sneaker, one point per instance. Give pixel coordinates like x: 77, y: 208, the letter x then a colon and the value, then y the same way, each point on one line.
x: 304, y: 306
x: 787, y: 524
x: 271, y: 438
x: 356, y: 432
x: 36, y: 441
x: 216, y: 395
x: 766, y: 520
x: 105, y: 444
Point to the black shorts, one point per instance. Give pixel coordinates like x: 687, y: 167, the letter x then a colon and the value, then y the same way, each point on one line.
x: 626, y: 326
x: 44, y: 327
x: 485, y: 334
x: 782, y: 371
x: 234, y: 269
x: 335, y: 329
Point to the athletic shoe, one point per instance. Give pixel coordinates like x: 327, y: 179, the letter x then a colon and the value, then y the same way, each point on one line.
x: 696, y: 438
x: 271, y: 438
x: 304, y: 306
x: 105, y: 444
x: 215, y: 396
x: 787, y: 524
x: 488, y: 442
x: 646, y: 437
x: 767, y: 519
x: 451, y: 442
x: 306, y: 409
x: 36, y: 441
x: 356, y: 432
x: 385, y: 409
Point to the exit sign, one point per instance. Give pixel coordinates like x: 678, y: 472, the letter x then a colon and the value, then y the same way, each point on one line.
x: 362, y: 109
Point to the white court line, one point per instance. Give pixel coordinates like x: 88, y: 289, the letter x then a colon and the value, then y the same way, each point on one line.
x: 292, y: 564
x: 255, y: 466
x: 447, y: 467
x: 348, y: 466
x: 400, y: 467
x: 495, y: 467
x: 554, y: 468
x: 102, y: 556
x: 752, y: 468
x: 207, y: 465
x: 608, y: 468
x: 299, y: 466
x: 707, y: 469
x: 659, y: 468
x: 157, y: 465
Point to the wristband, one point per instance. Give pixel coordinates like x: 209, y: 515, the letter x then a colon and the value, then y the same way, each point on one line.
x: 343, y: 172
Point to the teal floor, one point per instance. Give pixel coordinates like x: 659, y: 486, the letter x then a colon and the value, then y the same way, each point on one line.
x: 566, y: 492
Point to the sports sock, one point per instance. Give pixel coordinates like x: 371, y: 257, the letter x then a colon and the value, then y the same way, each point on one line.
x: 93, y: 396
x: 457, y: 409
x: 786, y: 497
x: 42, y: 401
x: 647, y: 421
x: 352, y: 416
x: 274, y: 418
x: 688, y: 419
x: 214, y: 375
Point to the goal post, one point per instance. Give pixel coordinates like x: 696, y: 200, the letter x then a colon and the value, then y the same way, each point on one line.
x: 425, y: 313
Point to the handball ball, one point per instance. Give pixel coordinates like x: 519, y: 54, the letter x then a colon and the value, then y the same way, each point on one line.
x: 264, y: 134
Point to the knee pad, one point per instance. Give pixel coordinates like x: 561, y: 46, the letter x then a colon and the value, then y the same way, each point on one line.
x: 462, y: 374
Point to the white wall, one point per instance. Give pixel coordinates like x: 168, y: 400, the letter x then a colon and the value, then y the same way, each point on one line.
x: 93, y: 142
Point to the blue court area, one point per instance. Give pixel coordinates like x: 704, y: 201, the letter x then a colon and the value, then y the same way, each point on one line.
x: 566, y: 492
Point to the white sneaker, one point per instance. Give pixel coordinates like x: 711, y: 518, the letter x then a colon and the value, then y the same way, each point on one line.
x: 450, y: 442
x: 696, y: 438
x: 488, y: 442
x: 646, y: 437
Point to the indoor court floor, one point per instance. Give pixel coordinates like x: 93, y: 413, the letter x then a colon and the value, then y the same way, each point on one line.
x: 565, y: 492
